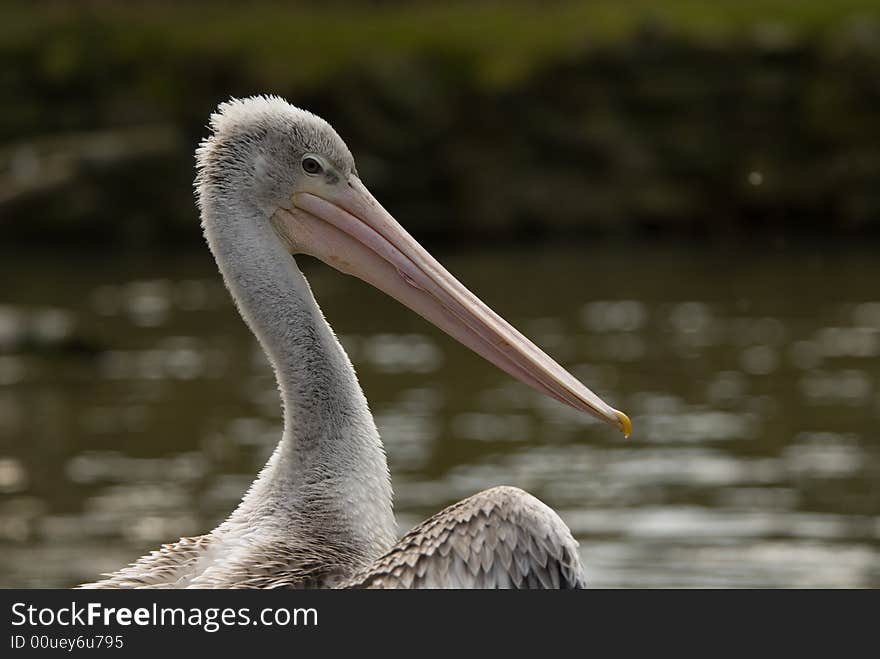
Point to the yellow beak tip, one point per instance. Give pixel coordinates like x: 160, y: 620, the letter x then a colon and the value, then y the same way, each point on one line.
x: 625, y: 424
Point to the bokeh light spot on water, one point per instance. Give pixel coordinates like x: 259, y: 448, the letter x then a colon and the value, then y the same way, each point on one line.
x: 492, y: 427
x: 401, y: 353
x: 727, y: 387
x: 691, y: 317
x: 614, y: 316
x: 13, y: 476
x: 147, y: 303
x: 824, y: 455
x: 849, y: 341
x: 759, y: 360
x: 52, y: 325
x: 409, y: 426
x: 11, y: 326
x: 112, y: 466
x: 38, y: 327
x: 848, y: 386
x: 697, y: 426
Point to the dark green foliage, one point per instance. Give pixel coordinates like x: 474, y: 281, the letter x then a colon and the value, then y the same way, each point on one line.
x: 640, y: 129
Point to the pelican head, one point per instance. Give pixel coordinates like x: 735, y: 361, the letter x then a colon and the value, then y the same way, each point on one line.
x: 299, y: 176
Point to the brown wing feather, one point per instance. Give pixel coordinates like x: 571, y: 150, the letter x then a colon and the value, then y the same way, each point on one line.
x: 498, y: 538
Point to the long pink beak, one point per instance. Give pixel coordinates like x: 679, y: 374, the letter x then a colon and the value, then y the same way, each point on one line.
x: 348, y: 229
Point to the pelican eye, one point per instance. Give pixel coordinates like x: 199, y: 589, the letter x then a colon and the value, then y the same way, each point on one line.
x: 311, y: 166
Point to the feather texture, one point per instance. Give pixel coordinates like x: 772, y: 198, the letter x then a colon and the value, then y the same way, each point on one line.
x: 500, y: 538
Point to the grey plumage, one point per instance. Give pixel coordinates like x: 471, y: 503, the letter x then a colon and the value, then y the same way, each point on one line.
x: 500, y: 538
x: 319, y: 515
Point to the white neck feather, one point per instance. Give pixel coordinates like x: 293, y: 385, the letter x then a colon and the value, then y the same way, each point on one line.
x: 328, y: 476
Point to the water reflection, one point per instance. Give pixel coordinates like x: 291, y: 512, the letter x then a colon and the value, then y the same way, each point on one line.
x: 135, y: 408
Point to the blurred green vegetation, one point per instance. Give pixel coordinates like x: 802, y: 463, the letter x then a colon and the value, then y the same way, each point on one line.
x: 506, y: 119
x: 290, y: 42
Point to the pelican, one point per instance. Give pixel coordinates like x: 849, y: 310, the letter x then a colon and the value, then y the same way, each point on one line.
x: 275, y: 181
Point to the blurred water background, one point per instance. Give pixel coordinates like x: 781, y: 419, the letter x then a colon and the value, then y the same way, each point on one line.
x: 681, y: 204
